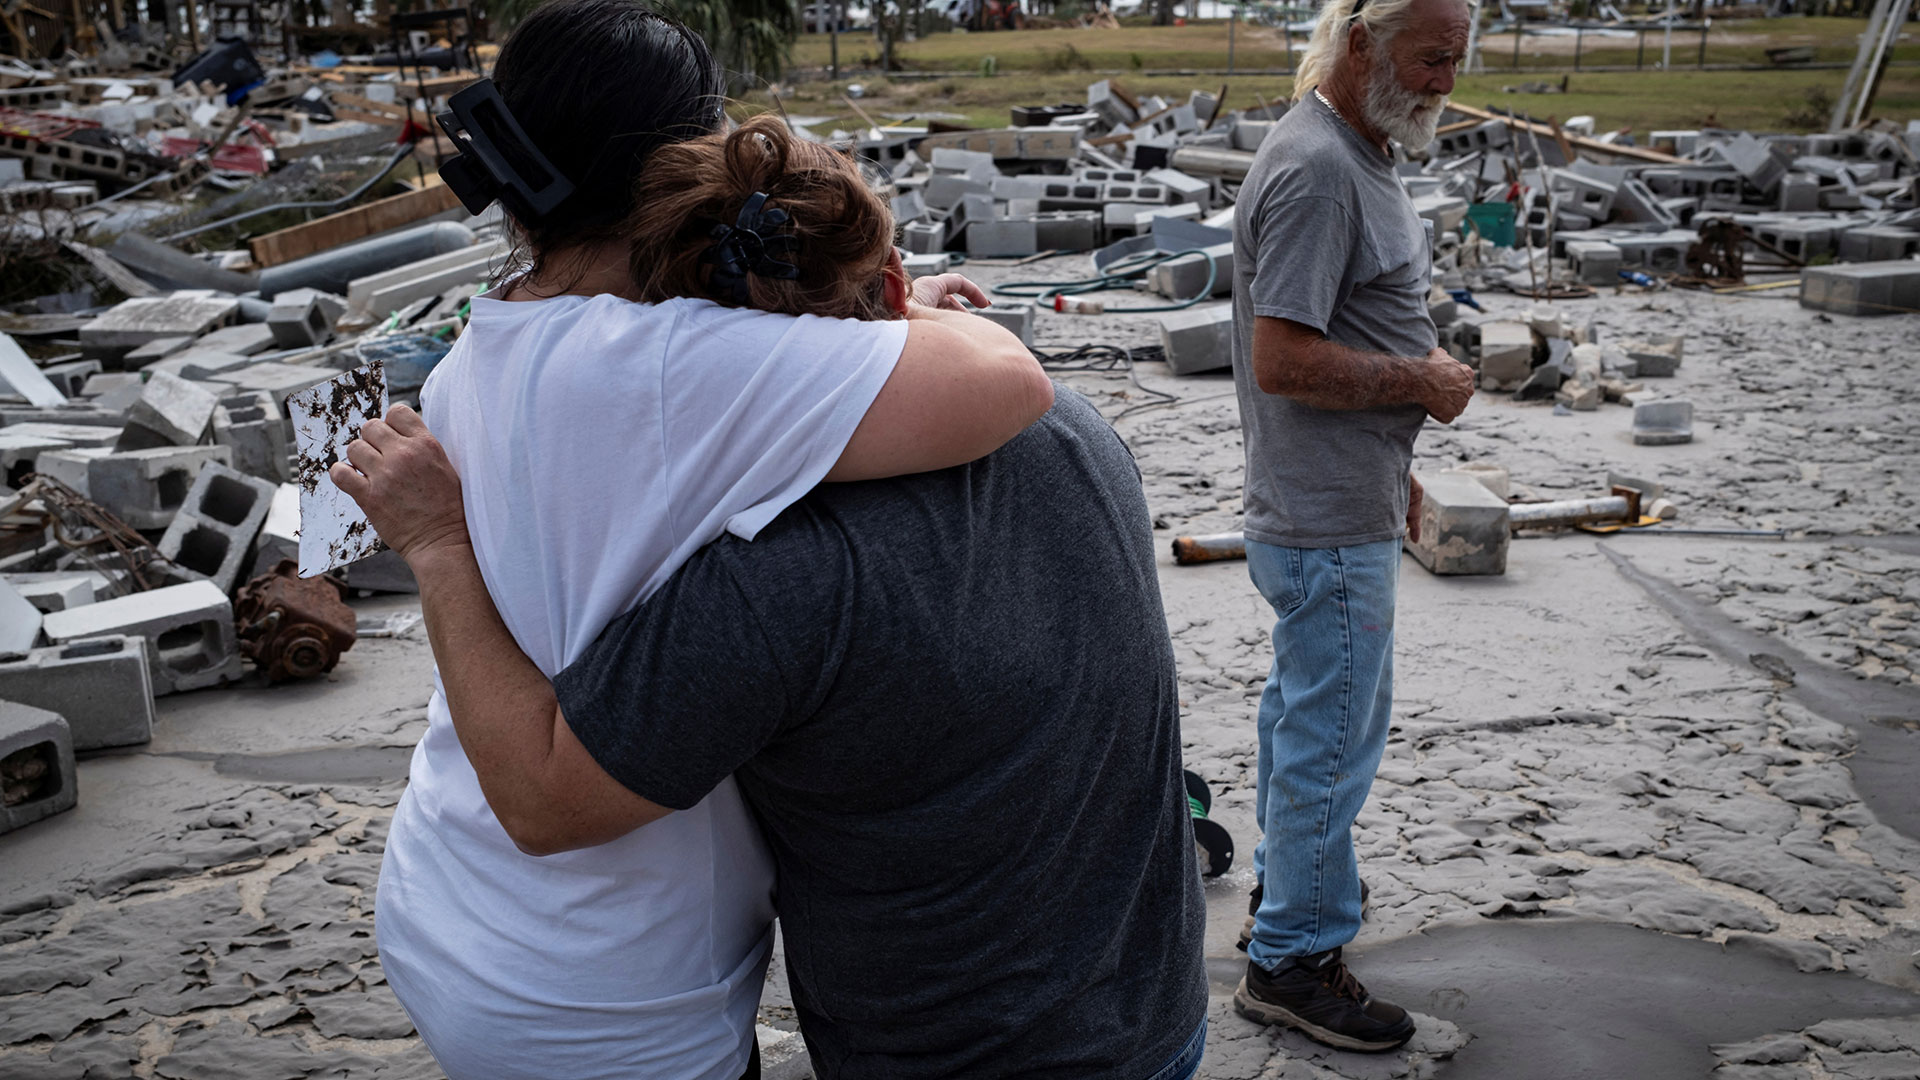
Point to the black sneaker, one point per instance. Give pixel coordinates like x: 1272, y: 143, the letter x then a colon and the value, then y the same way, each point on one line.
x: 1253, y: 908
x: 1321, y: 998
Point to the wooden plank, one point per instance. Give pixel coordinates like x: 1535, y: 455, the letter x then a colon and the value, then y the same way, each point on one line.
x: 368, y: 105
x: 341, y: 112
x: 1636, y: 153
x: 380, y: 215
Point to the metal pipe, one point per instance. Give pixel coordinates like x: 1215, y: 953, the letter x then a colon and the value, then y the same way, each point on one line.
x: 1218, y: 547
x: 331, y: 270
x: 1212, y: 161
x: 1570, y: 512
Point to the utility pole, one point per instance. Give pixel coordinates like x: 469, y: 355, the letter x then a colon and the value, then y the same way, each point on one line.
x: 1666, y: 45
x: 1473, y: 43
x: 1863, y: 79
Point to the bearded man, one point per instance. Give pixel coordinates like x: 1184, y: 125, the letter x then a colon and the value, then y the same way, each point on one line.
x: 1336, y: 365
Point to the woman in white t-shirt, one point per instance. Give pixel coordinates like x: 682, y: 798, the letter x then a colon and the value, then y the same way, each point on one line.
x: 600, y: 441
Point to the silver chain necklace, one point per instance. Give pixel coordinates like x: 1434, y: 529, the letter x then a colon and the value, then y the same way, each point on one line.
x: 1340, y: 116
x: 1329, y: 105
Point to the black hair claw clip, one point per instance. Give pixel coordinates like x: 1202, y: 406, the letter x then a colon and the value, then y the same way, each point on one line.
x: 751, y: 246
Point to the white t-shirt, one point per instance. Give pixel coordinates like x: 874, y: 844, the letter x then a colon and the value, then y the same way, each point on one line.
x: 600, y: 443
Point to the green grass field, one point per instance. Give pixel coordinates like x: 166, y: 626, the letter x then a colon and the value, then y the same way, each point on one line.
x: 1035, y: 67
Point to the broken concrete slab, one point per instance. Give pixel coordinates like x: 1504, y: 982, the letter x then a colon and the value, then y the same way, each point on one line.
x: 175, y: 411
x: 19, y: 375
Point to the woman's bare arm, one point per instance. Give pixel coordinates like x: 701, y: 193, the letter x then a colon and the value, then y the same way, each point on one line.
x: 544, y: 787
x: 963, y: 386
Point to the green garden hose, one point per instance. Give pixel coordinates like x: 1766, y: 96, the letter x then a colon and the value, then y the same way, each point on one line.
x: 1121, y: 275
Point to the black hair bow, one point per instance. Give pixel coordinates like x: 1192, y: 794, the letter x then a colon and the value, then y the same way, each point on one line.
x: 749, y: 246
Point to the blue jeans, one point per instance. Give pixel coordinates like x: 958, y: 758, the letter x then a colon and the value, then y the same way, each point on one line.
x: 1323, y: 726
x: 1187, y: 1061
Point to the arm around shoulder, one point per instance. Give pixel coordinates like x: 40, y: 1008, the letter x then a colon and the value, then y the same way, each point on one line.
x: 962, y: 388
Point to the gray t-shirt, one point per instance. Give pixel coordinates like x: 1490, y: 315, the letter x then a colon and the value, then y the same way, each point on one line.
x: 951, y: 701
x: 1326, y: 236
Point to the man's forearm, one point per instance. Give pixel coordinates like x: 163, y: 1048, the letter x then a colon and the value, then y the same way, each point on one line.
x: 1328, y: 375
x: 502, y: 705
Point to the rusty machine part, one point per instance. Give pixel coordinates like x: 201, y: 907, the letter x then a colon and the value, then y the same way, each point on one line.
x: 293, y: 627
x: 1718, y: 258
x: 85, y: 527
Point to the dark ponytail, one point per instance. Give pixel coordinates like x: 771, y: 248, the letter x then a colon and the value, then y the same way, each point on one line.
x: 598, y: 85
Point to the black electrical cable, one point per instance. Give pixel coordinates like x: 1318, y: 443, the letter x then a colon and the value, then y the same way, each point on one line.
x: 1109, y: 360
x: 331, y: 204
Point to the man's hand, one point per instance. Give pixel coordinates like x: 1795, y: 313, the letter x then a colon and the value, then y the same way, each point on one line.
x: 401, y: 477
x: 1450, y: 386
x: 1415, y: 496
x: 946, y: 291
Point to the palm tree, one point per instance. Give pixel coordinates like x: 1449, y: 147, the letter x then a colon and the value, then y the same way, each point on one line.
x: 753, y: 39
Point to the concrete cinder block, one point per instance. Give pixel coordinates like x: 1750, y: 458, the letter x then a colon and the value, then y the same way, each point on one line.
x: 1595, y: 262
x: 49, y: 592
x: 1878, y: 243
x: 1003, y: 238
x: 189, y: 632
x: 260, y: 435
x: 100, y: 685
x: 1198, y: 339
x: 1463, y: 527
x: 1102, y: 99
x: 144, y: 488
x: 1754, y: 160
x: 1799, y: 194
x: 1015, y: 315
x: 1185, y: 277
x: 1067, y: 230
x: 1506, y: 351
x: 214, y: 528
x: 923, y: 237
x: 70, y: 377
x: 37, y: 774
x: 1182, y: 187
x: 1663, y: 423
x: 1875, y: 288
x: 916, y: 266
x: 1587, y: 195
x: 300, y: 318
x: 173, y: 409
x: 70, y: 467
x: 943, y: 191
x: 1634, y: 201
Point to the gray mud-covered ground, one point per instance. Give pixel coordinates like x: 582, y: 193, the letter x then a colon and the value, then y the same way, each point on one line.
x: 1651, y: 807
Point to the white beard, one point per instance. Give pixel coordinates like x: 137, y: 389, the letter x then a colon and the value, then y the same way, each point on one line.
x: 1408, y: 117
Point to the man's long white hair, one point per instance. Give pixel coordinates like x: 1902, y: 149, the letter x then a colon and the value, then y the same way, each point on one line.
x: 1382, y: 18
